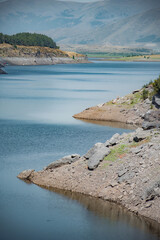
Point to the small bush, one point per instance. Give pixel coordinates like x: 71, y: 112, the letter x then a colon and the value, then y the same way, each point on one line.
x: 156, y: 85
x: 145, y: 94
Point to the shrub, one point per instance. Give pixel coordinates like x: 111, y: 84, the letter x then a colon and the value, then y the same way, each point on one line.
x: 145, y: 94
x: 156, y: 85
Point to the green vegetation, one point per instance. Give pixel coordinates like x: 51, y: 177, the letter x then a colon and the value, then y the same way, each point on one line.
x: 112, y: 55
x: 156, y: 85
x: 145, y: 94
x: 28, y: 39
x: 117, y: 152
x: 120, y: 151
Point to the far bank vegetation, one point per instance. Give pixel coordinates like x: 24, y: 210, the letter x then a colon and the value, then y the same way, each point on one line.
x: 28, y: 39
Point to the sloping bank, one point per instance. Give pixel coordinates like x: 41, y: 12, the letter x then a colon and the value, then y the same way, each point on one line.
x: 124, y: 169
x: 129, y: 109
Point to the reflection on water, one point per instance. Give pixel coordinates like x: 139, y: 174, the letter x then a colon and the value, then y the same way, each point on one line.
x: 110, y: 124
x: 42, y: 100
x: 112, y: 211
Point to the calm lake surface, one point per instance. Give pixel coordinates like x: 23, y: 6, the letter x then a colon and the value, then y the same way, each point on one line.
x: 36, y: 128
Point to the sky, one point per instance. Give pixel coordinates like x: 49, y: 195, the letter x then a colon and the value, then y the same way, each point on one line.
x: 71, y: 0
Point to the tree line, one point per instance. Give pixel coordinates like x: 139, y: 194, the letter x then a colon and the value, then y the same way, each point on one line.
x: 28, y: 39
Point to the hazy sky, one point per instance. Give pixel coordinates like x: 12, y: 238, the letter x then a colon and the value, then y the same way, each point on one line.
x: 70, y: 0
x: 81, y: 0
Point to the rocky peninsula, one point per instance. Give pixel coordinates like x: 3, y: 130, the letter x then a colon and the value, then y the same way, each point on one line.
x: 35, y: 55
x: 130, y: 109
x: 125, y: 169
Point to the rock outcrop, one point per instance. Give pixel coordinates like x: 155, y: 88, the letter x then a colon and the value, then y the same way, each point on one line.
x: 65, y: 160
x: 156, y: 100
x: 125, y: 169
x: 151, y: 119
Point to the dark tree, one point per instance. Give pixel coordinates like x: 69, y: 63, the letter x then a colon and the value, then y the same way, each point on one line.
x: 28, y: 39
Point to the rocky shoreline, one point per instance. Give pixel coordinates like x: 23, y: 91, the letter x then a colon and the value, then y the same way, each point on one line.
x: 125, y: 169
x: 42, y: 61
x: 130, y: 109
x: 34, y: 55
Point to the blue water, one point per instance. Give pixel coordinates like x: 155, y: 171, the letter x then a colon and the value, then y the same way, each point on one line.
x: 36, y: 128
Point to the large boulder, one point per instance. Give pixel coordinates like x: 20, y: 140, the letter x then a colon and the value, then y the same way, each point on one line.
x: 139, y: 135
x: 65, y: 160
x: 113, y: 141
x: 151, y: 119
x: 93, y: 150
x: 97, y: 157
x: 156, y: 100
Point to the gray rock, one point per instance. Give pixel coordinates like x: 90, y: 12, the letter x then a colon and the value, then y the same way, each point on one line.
x: 113, y: 183
x: 150, y: 125
x: 140, y: 134
x: 26, y: 174
x: 127, y: 176
x: 151, y: 119
x: 156, y: 100
x: 2, y: 71
x: 152, y: 191
x: 65, y: 160
x: 147, y: 101
x: 113, y: 141
x: 93, y: 150
x: 136, y: 150
x: 97, y: 157
x: 148, y: 204
x: 122, y: 172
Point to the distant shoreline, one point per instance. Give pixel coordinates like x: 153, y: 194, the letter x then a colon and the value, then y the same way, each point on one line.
x: 21, y: 61
x: 143, y: 58
x: 35, y: 55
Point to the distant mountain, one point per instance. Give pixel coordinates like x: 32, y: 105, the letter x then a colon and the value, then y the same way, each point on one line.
x: 109, y: 22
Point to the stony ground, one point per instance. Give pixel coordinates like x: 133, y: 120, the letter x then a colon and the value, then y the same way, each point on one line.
x: 129, y: 109
x: 126, y: 170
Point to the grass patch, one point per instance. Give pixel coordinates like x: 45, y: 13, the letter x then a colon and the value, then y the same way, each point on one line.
x: 117, y: 152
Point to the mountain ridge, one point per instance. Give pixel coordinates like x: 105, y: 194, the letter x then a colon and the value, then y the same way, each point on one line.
x: 102, y: 22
